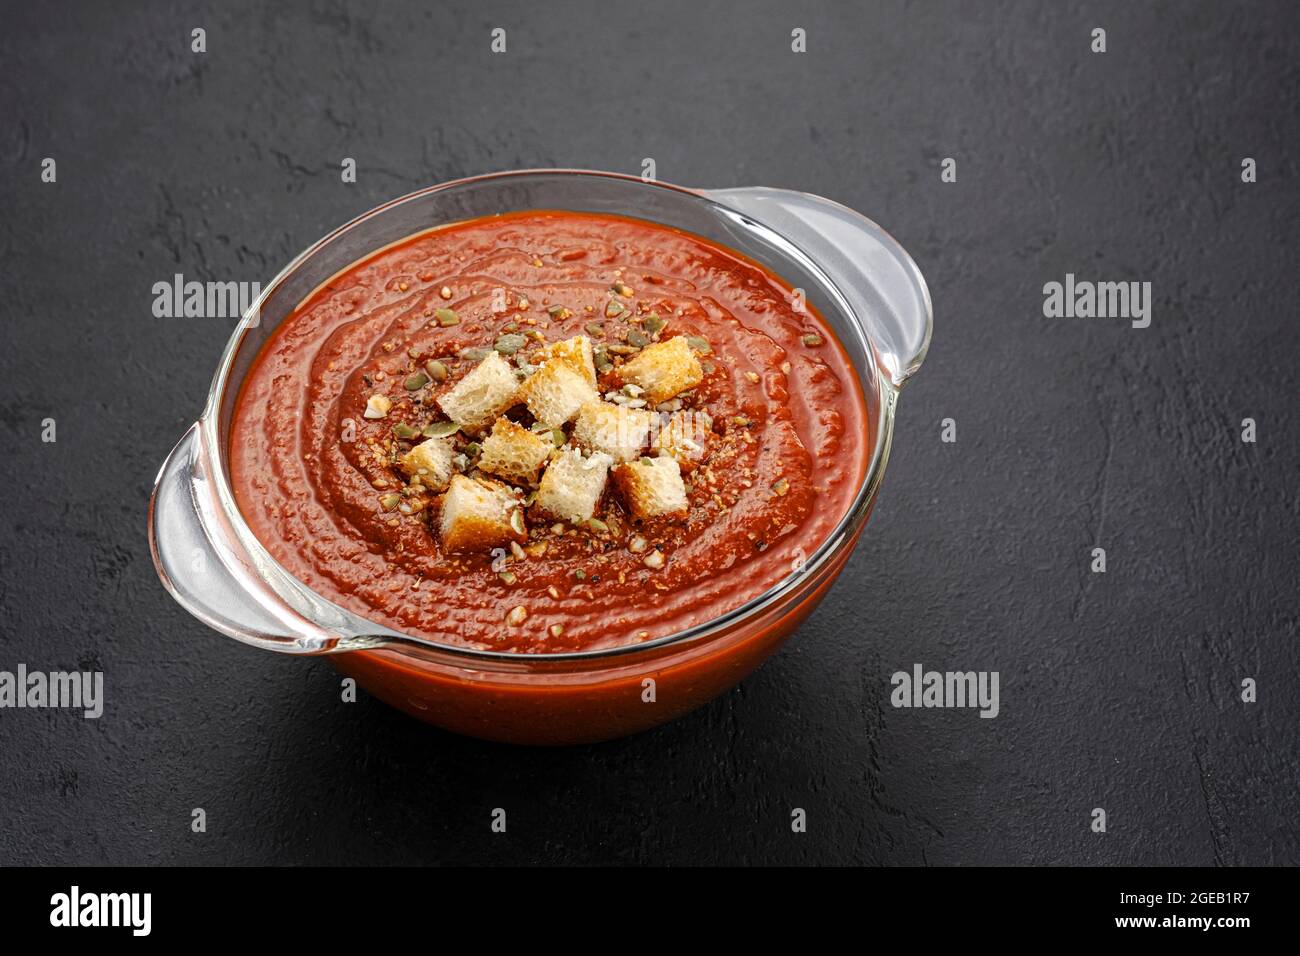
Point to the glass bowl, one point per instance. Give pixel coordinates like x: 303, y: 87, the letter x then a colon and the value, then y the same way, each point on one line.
x: 864, y: 285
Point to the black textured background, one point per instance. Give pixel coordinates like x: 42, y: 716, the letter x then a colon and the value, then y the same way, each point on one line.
x: 1118, y: 690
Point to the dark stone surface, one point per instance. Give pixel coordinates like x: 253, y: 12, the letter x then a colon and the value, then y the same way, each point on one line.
x: 1118, y: 690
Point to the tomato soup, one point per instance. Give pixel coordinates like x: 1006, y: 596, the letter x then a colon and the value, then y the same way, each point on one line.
x: 548, y: 431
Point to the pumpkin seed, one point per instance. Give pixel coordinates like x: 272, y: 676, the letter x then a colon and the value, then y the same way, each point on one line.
x: 510, y: 343
x: 638, y: 338
x: 446, y: 317
x: 653, y: 323
x: 390, y: 501
x: 698, y: 343
x: 614, y: 308
x: 437, y: 371
x: 403, y: 430
x: 416, y: 381
x: 440, y: 430
x: 812, y: 341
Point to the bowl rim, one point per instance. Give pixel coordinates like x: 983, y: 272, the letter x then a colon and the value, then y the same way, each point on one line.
x: 843, y: 535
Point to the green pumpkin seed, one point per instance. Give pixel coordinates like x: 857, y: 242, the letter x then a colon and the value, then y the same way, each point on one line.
x: 812, y: 341
x: 437, y: 371
x: 390, y: 501
x: 638, y: 338
x: 446, y: 317
x: 416, y: 381
x: 698, y: 344
x: 440, y: 430
x: 403, y: 430
x: 653, y: 323
x: 595, y: 328
x: 614, y: 308
x: 510, y: 344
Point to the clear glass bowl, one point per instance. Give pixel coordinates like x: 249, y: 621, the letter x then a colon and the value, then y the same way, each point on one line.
x: 862, y: 282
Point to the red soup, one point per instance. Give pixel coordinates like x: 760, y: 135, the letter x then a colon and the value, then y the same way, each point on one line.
x: 548, y: 431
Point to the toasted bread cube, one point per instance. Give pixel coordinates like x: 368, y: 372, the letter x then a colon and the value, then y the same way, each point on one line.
x: 514, y: 453
x: 430, y: 463
x: 572, y: 485
x: 685, y: 438
x: 617, y: 430
x: 664, y: 370
x: 651, y: 487
x: 482, y: 395
x: 575, y: 352
x: 556, y: 391
x: 479, y: 515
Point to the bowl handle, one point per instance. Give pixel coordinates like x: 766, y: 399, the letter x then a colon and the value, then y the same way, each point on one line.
x: 873, y: 272
x: 208, y: 571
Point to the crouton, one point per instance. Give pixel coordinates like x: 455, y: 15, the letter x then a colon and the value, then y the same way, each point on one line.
x: 685, y: 438
x: 478, y: 515
x: 572, y: 485
x: 617, y: 430
x: 429, y: 463
x: 482, y: 395
x: 575, y: 352
x: 651, y: 487
x: 555, y: 392
x: 514, y: 453
x: 664, y: 370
